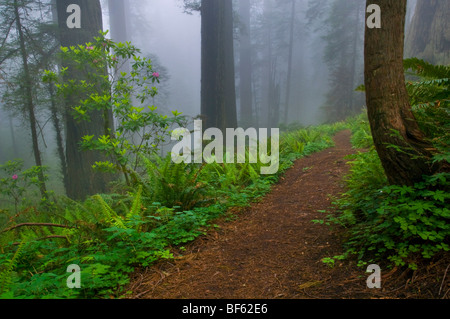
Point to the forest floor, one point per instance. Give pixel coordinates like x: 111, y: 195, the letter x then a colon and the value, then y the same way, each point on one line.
x: 273, y: 250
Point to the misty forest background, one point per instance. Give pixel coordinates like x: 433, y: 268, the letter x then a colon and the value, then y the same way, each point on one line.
x: 297, y: 65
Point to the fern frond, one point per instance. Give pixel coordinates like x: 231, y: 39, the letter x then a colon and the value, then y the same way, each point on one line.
x: 110, y: 215
x: 136, y: 206
x: 5, y: 275
x: 426, y: 70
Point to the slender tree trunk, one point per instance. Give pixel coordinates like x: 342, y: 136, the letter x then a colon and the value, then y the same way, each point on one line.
x: 351, y: 91
x: 273, y: 96
x: 59, y: 135
x: 400, y: 144
x: 267, y: 67
x: 119, y: 26
x: 289, y: 70
x: 245, y: 66
x: 82, y: 181
x: 29, y: 99
x: 13, y: 137
x: 118, y: 20
x: 270, y: 66
x: 218, y: 92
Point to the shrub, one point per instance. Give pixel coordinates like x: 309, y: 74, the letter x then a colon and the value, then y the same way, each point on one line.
x: 399, y: 223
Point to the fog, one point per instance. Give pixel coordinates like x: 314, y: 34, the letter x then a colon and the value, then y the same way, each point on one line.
x: 326, y: 64
x: 174, y: 37
x: 165, y: 30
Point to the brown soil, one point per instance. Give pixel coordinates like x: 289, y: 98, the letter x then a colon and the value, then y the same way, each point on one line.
x: 273, y: 250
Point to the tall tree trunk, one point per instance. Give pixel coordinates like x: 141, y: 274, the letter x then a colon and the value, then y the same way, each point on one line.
x: 59, y: 135
x: 27, y: 85
x: 273, y: 96
x: 245, y: 66
x: 13, y: 137
x: 356, y: 39
x: 83, y: 181
x: 218, y: 92
x: 119, y: 27
x: 270, y: 81
x: 118, y: 20
x: 267, y: 67
x: 428, y: 35
x: 399, y: 142
x: 289, y: 70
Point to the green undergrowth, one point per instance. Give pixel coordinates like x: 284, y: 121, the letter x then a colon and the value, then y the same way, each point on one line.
x: 110, y: 235
x: 396, y: 225
x: 391, y: 225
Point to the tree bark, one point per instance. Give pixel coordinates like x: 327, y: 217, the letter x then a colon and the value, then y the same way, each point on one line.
x: 401, y: 146
x: 218, y: 92
x: 83, y: 181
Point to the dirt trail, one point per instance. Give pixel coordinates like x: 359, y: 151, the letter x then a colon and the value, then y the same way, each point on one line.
x: 272, y: 250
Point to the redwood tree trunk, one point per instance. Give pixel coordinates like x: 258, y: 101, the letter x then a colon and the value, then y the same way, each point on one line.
x: 218, y: 92
x: 400, y: 144
x: 82, y: 180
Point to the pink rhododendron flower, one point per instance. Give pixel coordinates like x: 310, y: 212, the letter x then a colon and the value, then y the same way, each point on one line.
x: 90, y: 48
x: 14, y: 177
x: 156, y: 75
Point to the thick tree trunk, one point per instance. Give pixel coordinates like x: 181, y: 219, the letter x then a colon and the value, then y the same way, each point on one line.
x: 218, y: 92
x: 83, y: 181
x: 29, y: 103
x: 428, y: 35
x: 245, y: 66
x: 400, y: 144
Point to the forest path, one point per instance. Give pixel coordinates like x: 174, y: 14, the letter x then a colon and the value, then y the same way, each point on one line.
x: 273, y: 249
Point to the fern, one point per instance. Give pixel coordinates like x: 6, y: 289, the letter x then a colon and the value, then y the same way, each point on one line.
x: 109, y: 214
x: 426, y: 70
x: 136, y: 206
x: 5, y: 275
x: 174, y: 184
x: 430, y: 100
